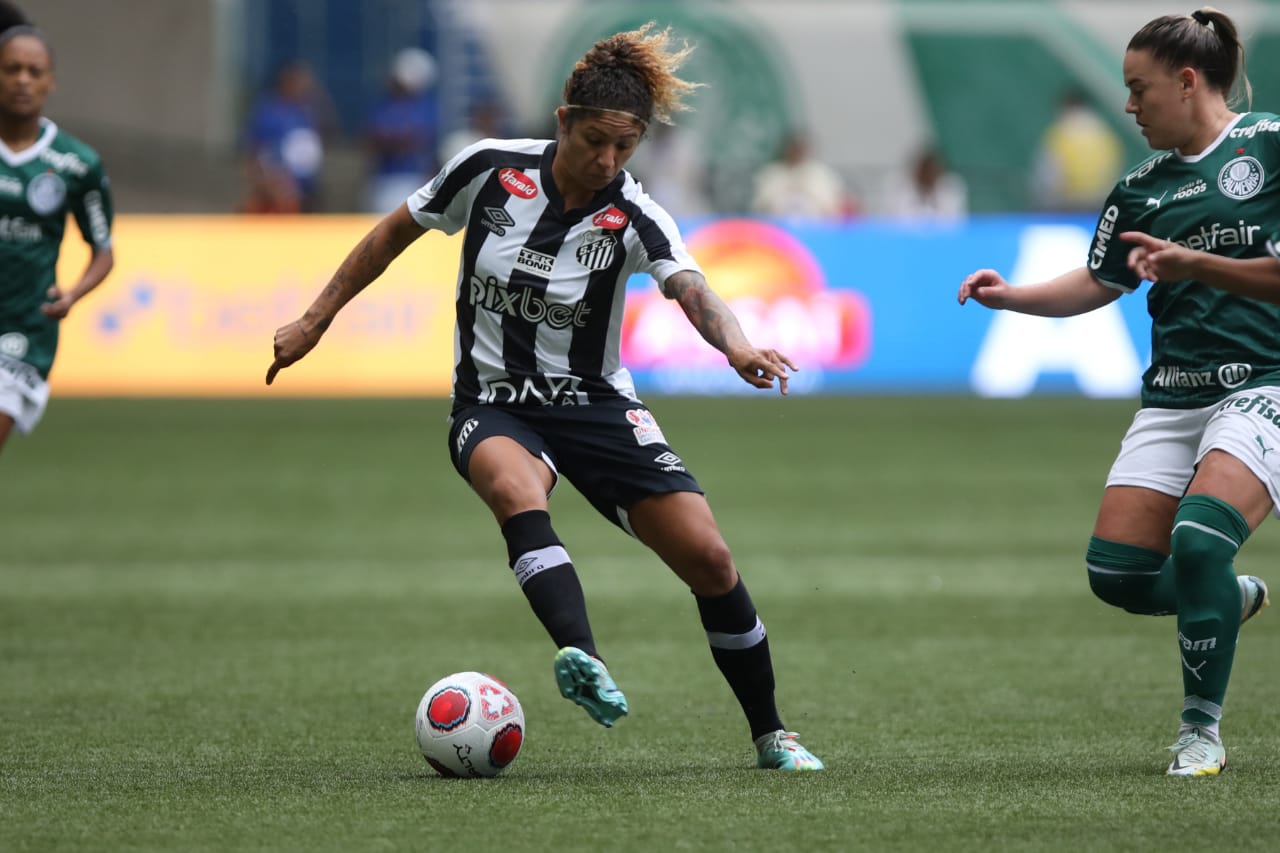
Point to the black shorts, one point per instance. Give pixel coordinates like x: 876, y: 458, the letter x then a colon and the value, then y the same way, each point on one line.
x: 613, y: 453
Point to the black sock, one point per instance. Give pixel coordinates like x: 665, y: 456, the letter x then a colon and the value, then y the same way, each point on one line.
x: 548, y: 580
x: 741, y: 650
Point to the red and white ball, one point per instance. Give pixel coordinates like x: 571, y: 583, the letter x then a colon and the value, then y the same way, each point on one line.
x: 469, y: 724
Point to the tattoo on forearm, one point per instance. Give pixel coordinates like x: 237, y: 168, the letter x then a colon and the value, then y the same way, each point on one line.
x: 705, y: 310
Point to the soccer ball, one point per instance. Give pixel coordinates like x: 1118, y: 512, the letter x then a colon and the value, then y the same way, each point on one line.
x: 469, y: 724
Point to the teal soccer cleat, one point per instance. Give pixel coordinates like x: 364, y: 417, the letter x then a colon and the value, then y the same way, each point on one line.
x: 781, y: 750
x: 585, y: 680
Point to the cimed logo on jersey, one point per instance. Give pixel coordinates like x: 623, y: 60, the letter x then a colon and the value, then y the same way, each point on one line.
x: 45, y: 193
x: 596, y: 250
x: 1241, y: 178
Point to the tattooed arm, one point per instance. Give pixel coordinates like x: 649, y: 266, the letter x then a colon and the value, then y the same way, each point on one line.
x: 719, y: 327
x: 363, y: 264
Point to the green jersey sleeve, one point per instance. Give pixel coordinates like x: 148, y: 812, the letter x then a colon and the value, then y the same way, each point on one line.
x: 91, y: 205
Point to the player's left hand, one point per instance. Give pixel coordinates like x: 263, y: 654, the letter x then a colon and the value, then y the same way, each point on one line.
x: 760, y: 367
x: 59, y: 303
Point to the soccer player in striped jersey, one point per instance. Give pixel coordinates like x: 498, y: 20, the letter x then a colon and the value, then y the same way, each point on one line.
x: 552, y: 231
x: 45, y: 173
x: 1198, y: 469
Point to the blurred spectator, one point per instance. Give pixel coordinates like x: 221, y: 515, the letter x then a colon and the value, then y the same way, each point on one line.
x: 670, y: 167
x: 931, y: 192
x: 799, y: 186
x: 402, y: 132
x: 1079, y: 159
x: 284, y: 143
x: 485, y: 121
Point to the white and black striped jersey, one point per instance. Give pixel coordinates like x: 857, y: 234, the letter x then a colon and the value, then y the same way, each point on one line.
x: 541, y: 290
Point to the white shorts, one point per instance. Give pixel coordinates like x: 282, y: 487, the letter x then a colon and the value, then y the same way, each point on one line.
x: 23, y: 393
x: 1163, y: 446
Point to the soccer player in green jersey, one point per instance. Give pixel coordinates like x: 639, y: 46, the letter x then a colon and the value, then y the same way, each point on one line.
x: 1199, y: 468
x: 45, y: 173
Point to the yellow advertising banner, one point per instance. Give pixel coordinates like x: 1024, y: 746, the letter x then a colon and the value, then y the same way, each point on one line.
x: 194, y: 301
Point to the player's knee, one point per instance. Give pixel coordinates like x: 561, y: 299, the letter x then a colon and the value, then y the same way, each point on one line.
x: 709, y: 568
x: 1125, y: 576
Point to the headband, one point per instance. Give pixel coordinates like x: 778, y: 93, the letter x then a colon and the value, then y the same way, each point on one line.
x: 607, y: 110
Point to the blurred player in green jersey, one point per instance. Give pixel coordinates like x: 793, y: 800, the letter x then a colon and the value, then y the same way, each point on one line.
x: 1199, y: 468
x: 45, y: 173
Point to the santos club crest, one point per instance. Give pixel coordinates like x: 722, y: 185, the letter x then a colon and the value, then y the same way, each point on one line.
x: 596, y: 250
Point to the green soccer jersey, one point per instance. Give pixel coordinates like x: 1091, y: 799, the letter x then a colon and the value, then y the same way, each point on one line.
x: 39, y: 186
x: 1205, y: 342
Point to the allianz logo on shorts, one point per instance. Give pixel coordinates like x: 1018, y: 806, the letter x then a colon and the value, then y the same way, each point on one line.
x: 669, y: 461
x: 1227, y: 375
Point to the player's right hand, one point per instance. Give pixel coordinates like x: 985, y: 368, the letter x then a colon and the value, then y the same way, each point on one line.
x: 292, y: 342
x: 986, y: 287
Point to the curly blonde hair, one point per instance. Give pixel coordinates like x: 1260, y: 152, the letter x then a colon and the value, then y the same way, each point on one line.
x: 632, y: 72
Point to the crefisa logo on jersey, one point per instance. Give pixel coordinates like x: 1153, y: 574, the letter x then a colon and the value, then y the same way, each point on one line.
x: 45, y: 193
x: 596, y: 250
x: 517, y: 183
x: 1241, y: 178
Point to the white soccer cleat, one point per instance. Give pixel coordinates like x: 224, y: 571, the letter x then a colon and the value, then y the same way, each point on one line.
x: 1253, y: 592
x: 1195, y: 754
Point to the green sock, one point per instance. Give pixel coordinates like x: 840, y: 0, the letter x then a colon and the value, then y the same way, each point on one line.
x: 1207, y: 533
x: 1138, y: 579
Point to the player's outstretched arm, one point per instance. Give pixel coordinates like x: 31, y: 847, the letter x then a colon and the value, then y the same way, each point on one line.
x: 719, y: 327
x: 363, y: 264
x: 1072, y: 293
x: 1161, y: 260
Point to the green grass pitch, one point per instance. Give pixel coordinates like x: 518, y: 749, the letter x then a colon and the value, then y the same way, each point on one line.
x: 217, y: 619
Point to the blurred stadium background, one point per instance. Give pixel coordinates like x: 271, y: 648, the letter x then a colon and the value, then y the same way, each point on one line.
x: 872, y: 83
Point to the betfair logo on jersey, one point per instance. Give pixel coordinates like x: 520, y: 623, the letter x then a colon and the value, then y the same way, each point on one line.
x: 535, y: 262
x: 526, y: 304
x: 1210, y: 237
x: 15, y: 229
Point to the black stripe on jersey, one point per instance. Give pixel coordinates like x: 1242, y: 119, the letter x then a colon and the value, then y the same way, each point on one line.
x: 519, y: 336
x: 587, y: 351
x: 468, y: 170
x: 491, y: 194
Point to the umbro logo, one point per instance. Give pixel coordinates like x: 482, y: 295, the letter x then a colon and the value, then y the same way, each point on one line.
x: 497, y: 220
x: 669, y: 461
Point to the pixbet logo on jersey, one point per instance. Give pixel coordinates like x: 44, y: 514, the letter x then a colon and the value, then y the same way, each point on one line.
x: 526, y: 304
